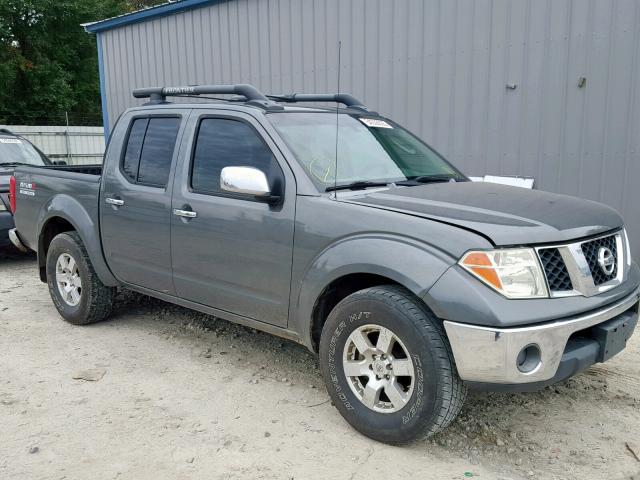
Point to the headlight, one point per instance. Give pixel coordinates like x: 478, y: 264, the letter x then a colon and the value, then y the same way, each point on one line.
x: 3, y: 207
x: 513, y: 272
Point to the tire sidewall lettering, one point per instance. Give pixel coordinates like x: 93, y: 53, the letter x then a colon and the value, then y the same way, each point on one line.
x: 418, y: 391
x: 333, y: 370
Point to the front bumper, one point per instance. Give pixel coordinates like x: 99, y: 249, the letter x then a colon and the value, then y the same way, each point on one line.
x: 487, y: 357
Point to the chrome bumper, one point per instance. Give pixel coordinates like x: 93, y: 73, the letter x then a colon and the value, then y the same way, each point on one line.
x: 15, y: 239
x: 485, y: 354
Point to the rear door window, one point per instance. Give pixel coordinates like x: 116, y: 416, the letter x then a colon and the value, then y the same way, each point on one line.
x: 131, y: 159
x: 150, y: 147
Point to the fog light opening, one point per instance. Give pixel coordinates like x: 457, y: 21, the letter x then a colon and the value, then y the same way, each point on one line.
x: 528, y: 359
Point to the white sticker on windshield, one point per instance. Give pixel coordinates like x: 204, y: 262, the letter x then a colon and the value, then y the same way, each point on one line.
x: 375, y: 123
x: 10, y: 140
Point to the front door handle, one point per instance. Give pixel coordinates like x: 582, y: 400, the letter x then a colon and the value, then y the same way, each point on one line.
x: 114, y: 201
x: 184, y: 213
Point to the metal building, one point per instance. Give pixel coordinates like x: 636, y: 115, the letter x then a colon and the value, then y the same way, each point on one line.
x: 542, y: 88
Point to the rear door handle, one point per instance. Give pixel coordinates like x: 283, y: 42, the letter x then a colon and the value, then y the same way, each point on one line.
x: 114, y: 201
x: 184, y: 213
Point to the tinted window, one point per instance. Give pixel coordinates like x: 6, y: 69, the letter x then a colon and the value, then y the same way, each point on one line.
x: 134, y: 147
x: 157, y: 151
x: 150, y: 149
x: 228, y: 143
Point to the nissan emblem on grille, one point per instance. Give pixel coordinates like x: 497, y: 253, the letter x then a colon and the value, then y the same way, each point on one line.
x: 602, y: 256
x: 606, y: 260
x: 587, y: 267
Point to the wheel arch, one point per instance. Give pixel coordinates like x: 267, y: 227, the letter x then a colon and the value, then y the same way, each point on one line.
x: 334, y: 293
x: 358, y: 263
x: 63, y: 214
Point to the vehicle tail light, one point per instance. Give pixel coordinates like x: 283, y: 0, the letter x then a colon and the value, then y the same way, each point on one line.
x: 12, y: 194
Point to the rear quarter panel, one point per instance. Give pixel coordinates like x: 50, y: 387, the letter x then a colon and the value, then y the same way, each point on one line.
x: 42, y: 195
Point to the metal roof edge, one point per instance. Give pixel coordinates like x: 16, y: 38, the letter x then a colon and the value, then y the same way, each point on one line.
x: 146, y: 14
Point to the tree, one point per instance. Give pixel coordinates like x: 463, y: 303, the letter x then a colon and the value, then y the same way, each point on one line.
x: 48, y: 63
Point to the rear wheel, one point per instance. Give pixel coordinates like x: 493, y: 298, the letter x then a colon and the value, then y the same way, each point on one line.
x: 77, y: 292
x: 388, y: 366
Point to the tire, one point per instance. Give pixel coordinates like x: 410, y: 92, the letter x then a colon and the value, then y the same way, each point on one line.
x: 94, y: 299
x: 407, y: 408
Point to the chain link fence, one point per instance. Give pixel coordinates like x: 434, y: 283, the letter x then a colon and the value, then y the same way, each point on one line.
x: 50, y: 119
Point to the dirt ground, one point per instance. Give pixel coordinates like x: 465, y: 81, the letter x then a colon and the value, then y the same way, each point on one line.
x: 166, y: 393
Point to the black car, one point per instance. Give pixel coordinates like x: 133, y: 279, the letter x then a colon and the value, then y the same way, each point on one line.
x: 14, y: 150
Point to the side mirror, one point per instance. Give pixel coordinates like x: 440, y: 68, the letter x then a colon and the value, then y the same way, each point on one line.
x: 246, y: 181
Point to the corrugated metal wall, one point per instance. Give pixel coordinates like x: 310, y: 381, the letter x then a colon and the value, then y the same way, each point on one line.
x: 438, y: 66
x: 75, y: 145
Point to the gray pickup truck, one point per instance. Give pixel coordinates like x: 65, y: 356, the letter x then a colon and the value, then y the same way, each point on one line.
x: 336, y: 228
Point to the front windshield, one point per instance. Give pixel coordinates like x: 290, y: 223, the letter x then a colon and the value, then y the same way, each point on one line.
x: 368, y: 149
x: 18, y: 151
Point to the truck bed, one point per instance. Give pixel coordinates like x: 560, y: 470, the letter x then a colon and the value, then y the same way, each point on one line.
x: 85, y: 169
x: 72, y: 190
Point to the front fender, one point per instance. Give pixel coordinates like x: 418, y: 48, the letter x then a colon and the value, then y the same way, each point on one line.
x: 412, y: 264
x: 66, y: 207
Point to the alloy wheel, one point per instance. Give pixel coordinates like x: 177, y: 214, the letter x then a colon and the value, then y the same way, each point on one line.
x: 378, y: 368
x: 68, y: 279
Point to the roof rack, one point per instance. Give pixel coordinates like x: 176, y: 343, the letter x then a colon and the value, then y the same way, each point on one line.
x: 252, y: 94
x: 344, y: 98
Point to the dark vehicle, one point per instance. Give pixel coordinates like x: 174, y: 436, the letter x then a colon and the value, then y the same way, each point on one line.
x: 14, y: 150
x: 339, y: 229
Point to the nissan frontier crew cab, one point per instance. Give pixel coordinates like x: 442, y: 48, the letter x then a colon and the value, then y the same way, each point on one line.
x: 339, y: 229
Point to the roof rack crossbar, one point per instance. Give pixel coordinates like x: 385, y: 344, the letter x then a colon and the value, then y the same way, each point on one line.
x: 251, y: 93
x: 344, y: 98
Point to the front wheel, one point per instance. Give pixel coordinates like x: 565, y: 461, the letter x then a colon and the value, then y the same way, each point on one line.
x: 388, y: 366
x: 77, y: 292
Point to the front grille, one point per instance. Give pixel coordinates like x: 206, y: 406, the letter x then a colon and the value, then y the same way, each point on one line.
x: 590, y: 250
x: 556, y: 271
x: 588, y: 277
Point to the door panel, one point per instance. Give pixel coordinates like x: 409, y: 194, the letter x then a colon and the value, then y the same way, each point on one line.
x: 136, y: 200
x: 236, y: 253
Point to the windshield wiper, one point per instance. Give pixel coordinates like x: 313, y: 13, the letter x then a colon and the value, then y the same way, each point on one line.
x: 12, y: 164
x: 356, y: 186
x: 410, y: 181
x: 432, y: 178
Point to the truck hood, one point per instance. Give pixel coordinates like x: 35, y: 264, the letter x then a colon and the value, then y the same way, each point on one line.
x: 505, y: 215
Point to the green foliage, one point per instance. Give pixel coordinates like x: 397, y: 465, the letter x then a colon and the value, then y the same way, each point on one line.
x: 48, y: 63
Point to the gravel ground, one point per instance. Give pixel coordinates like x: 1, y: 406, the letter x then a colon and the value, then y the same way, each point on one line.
x: 162, y: 392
